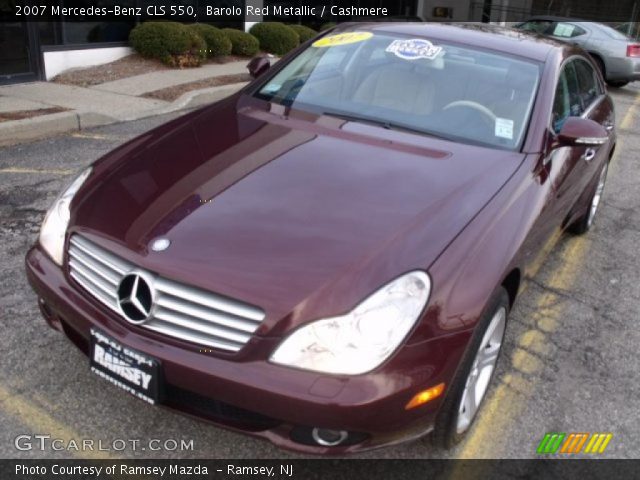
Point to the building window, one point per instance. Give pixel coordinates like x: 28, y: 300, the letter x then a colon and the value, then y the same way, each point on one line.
x: 61, y: 31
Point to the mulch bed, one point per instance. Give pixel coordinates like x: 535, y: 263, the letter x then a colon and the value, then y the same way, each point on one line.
x: 169, y: 94
x: 128, y: 66
x: 21, y: 114
x: 125, y: 67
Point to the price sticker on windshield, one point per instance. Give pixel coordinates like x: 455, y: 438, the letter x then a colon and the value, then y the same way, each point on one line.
x: 414, y: 49
x: 504, y: 128
x: 342, y: 39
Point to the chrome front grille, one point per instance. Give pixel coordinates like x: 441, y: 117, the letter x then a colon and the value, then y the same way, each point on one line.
x: 179, y: 310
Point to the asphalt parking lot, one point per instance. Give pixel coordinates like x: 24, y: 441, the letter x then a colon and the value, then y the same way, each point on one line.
x: 570, y: 363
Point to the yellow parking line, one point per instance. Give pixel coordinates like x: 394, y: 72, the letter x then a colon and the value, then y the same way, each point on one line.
x: 626, y: 123
x: 94, y: 136
x: 627, y: 120
x: 39, y: 420
x: 538, y: 262
x: 53, y: 171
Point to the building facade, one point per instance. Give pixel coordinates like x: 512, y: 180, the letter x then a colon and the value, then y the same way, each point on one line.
x: 40, y: 50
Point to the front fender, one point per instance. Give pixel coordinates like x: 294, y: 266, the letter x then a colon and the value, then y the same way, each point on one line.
x: 494, y: 244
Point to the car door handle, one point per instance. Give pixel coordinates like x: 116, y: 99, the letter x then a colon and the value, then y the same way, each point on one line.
x: 608, y: 126
x: 589, y: 155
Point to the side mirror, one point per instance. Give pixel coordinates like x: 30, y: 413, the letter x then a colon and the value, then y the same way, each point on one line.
x: 578, y: 131
x: 258, y: 65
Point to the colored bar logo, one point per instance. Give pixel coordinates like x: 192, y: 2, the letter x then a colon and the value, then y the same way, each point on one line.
x: 573, y: 443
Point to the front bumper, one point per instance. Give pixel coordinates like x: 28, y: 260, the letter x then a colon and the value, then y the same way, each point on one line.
x: 255, y: 396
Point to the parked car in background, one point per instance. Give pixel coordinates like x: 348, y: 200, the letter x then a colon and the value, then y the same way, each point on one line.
x: 327, y: 258
x: 617, y: 55
x: 397, y: 18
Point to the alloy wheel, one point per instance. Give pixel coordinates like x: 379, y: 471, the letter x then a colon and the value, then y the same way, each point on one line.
x: 481, y: 371
x: 597, y: 197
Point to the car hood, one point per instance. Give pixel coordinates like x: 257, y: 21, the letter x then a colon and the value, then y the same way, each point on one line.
x: 299, y: 214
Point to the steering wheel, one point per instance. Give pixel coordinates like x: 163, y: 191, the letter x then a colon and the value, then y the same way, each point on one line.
x: 488, y: 114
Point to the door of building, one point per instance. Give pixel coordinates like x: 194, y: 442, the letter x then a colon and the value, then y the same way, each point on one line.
x: 19, y: 52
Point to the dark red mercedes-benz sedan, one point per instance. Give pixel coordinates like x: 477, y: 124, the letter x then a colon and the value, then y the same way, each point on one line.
x: 327, y: 258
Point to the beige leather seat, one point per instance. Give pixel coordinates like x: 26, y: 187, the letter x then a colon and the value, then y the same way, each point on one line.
x: 397, y: 87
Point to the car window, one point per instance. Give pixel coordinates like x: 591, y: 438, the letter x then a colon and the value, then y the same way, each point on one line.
x: 577, y: 89
x: 576, y: 103
x: 456, y: 92
x: 587, y: 81
x: 537, y: 26
x: 566, y: 30
x: 561, y: 103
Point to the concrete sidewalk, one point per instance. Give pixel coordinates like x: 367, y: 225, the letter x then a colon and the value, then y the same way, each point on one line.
x: 109, y: 102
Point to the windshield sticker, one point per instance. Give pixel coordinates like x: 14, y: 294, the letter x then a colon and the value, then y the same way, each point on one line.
x: 342, y: 39
x: 504, y: 128
x: 414, y: 49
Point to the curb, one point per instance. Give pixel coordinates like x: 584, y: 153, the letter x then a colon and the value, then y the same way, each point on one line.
x: 18, y: 131
x: 27, y: 129
x: 198, y: 98
x: 37, y: 128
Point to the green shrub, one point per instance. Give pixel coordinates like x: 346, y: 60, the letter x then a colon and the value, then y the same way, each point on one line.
x: 304, y: 33
x: 275, y: 37
x: 218, y: 44
x: 242, y: 43
x: 195, y: 53
x: 327, y: 26
x: 170, y: 42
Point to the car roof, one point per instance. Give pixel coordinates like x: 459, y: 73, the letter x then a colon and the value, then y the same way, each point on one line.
x: 482, y: 35
x: 553, y: 18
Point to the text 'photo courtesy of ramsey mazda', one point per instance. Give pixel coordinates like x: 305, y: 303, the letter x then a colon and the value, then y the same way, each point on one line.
x: 340, y: 241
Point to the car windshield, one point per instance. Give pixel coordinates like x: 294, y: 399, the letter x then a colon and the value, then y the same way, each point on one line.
x: 433, y: 88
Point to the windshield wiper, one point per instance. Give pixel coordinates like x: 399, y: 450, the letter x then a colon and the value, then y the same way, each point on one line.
x: 383, y: 123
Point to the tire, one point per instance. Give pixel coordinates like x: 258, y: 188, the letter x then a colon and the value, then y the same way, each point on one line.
x: 583, y: 224
x: 616, y: 84
x: 455, y: 419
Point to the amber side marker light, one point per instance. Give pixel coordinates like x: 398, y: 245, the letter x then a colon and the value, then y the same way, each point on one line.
x: 425, y: 396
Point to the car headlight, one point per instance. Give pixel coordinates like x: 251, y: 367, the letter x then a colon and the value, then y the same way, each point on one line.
x: 56, y: 221
x: 361, y: 340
